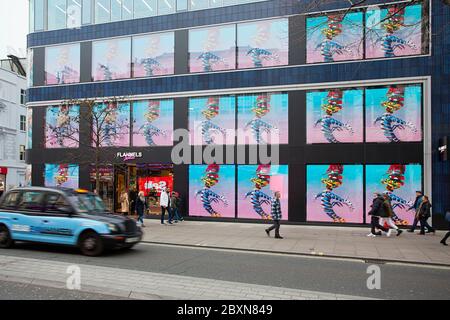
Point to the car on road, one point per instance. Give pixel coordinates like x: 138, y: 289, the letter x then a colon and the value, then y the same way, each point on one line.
x: 64, y: 217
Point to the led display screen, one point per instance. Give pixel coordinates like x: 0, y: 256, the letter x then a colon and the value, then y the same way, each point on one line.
x: 61, y: 175
x: 112, y: 123
x: 62, y: 127
x: 111, y: 59
x: 62, y: 64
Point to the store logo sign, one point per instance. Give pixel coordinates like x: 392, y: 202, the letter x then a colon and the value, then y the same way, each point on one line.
x: 127, y: 156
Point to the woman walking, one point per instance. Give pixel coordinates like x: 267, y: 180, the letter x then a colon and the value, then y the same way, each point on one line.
x: 141, y: 206
x: 387, y: 219
x: 424, y: 213
x: 376, y: 212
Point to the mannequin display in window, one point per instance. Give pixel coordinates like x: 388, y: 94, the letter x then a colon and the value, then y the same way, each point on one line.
x: 124, y: 203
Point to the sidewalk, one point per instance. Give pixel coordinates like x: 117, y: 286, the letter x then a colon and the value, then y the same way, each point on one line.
x: 344, y: 242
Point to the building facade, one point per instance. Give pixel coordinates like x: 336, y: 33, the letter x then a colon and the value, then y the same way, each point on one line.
x: 13, y: 126
x: 348, y: 99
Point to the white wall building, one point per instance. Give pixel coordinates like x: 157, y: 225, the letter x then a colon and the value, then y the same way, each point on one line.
x: 13, y: 124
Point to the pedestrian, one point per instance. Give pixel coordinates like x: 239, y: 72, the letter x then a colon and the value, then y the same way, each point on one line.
x: 174, y: 202
x: 424, y: 213
x: 141, y: 207
x: 164, y: 203
x: 124, y: 203
x: 444, y: 240
x: 133, y: 198
x: 376, y: 212
x: 415, y: 207
x: 276, y: 215
x: 387, y: 219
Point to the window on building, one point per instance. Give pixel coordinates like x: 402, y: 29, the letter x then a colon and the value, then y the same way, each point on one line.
x: 87, y: 12
x: 38, y: 15
x: 198, y: 4
x: 127, y: 9
x: 57, y: 12
x: 74, y: 13
x: 22, y: 153
x: 23, y: 123
x: 166, y: 7
x: 145, y: 8
x: 23, y: 96
x: 215, y: 3
x: 182, y: 5
x: 116, y: 10
x: 31, y: 16
x: 102, y: 11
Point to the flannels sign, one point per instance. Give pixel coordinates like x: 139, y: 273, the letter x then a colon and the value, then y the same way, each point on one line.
x: 127, y: 156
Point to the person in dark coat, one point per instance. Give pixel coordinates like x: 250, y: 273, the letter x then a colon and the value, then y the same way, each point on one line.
x: 133, y: 197
x: 276, y: 215
x: 423, y: 214
x: 376, y: 212
x: 388, y: 214
x: 141, y: 206
x: 415, y: 207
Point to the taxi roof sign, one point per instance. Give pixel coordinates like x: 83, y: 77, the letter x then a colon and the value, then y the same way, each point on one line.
x: 81, y: 191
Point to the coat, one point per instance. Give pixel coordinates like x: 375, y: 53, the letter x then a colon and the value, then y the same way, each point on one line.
x: 377, y: 207
x: 140, y: 206
x: 164, y: 199
x: 424, y: 211
x: 387, y: 211
x: 124, y: 202
x: 276, y: 210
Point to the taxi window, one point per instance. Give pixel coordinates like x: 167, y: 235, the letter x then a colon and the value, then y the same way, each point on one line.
x: 31, y: 201
x: 10, y: 200
x: 57, y: 203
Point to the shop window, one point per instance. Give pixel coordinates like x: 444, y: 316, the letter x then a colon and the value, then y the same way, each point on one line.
x: 263, y: 43
x: 111, y: 59
x: 145, y: 8
x: 394, y: 113
x: 257, y: 185
x: 153, y: 55
x: 61, y: 175
x: 212, y: 120
x: 400, y: 182
x: 337, y: 36
x: 57, y: 14
x: 153, y: 123
x: 335, y: 183
x: 263, y: 118
x: 335, y: 116
x: 102, y: 11
x: 62, y: 64
x: 62, y: 127
x: 208, y: 182
x: 212, y: 49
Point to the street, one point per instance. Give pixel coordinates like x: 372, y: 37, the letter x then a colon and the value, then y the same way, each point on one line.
x: 323, y: 276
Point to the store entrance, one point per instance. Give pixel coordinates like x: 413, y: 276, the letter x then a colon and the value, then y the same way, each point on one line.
x: 130, y: 179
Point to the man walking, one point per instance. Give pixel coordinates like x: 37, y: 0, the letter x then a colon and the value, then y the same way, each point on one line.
x: 415, y: 207
x: 276, y: 216
x: 164, y: 203
x: 376, y: 212
x: 174, y: 206
x: 423, y: 214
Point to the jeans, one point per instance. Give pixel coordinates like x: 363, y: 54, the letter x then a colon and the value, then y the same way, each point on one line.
x: 175, y: 214
x: 414, y: 225
x: 446, y: 237
x: 375, y: 222
x: 163, y: 212
x: 276, y: 226
x: 424, y: 224
x: 141, y: 218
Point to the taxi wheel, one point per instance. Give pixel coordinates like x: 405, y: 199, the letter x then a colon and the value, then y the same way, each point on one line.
x: 91, y: 244
x: 5, y: 238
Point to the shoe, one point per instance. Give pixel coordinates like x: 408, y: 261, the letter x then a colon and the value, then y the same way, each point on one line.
x: 176, y: 221
x: 268, y: 232
x: 399, y: 232
x: 371, y: 235
x: 421, y: 233
x: 169, y: 222
x: 431, y: 231
x: 162, y: 223
x: 410, y: 230
x: 444, y: 243
x: 279, y: 237
x: 388, y: 234
x: 142, y: 226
